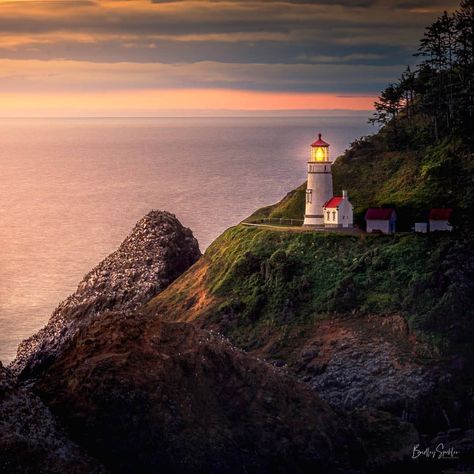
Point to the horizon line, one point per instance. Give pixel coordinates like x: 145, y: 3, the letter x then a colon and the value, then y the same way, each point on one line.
x: 209, y: 114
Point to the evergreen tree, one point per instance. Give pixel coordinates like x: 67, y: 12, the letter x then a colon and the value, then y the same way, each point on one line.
x: 441, y: 89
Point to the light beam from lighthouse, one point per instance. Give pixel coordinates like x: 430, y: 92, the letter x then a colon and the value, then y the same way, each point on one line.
x: 319, y: 185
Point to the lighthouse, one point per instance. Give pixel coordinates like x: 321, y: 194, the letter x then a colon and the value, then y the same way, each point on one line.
x: 319, y: 187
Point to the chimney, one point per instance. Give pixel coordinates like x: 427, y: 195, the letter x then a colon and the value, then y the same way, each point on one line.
x: 344, y: 194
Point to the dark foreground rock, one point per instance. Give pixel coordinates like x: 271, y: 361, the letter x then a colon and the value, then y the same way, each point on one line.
x: 30, y: 438
x: 142, y: 395
x: 155, y: 253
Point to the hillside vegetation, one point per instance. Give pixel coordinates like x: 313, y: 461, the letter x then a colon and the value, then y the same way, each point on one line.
x: 251, y: 279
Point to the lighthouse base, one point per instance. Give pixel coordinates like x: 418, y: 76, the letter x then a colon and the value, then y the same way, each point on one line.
x: 314, y: 220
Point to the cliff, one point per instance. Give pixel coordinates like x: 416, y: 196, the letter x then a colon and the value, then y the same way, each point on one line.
x: 155, y: 253
x: 146, y: 384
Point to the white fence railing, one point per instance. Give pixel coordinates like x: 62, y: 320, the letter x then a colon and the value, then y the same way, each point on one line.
x: 275, y: 221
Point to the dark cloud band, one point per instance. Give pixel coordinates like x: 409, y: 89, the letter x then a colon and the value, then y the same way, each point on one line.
x: 323, y: 37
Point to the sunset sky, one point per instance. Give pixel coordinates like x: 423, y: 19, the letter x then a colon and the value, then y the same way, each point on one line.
x: 143, y: 57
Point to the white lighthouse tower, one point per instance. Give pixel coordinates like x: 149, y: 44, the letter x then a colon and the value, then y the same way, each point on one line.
x: 319, y: 187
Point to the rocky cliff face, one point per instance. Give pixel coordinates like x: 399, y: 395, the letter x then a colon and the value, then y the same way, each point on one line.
x: 155, y: 253
x: 143, y: 395
x: 363, y: 362
x: 30, y: 438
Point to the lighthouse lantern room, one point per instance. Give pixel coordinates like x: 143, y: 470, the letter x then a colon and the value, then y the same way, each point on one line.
x: 320, y: 150
x: 319, y: 186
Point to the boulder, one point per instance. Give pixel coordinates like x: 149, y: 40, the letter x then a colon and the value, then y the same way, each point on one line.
x: 156, y: 252
x: 143, y: 395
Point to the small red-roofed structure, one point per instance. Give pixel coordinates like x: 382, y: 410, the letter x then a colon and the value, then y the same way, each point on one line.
x: 439, y: 219
x: 338, y: 211
x: 440, y: 213
x: 381, y: 219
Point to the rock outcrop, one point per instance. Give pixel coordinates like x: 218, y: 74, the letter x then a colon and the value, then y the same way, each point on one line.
x: 155, y: 253
x: 143, y: 395
x: 366, y: 362
x: 30, y: 438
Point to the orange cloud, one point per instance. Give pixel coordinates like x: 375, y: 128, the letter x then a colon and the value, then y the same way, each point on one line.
x: 122, y: 57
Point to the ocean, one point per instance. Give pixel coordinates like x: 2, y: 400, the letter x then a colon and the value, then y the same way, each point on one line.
x: 72, y: 189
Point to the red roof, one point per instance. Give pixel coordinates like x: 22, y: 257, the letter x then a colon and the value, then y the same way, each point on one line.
x: 333, y: 202
x: 379, y: 213
x: 440, y: 214
x: 319, y: 142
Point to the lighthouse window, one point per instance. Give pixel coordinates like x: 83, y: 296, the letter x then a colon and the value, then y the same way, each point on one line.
x: 333, y: 215
x: 309, y: 196
x: 329, y: 215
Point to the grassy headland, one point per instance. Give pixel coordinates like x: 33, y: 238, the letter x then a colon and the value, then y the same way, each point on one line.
x: 253, y: 279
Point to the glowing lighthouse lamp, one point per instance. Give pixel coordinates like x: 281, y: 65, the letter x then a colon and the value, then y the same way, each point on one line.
x: 319, y: 187
x: 319, y: 150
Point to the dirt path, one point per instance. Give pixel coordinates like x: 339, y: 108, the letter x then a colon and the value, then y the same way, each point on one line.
x: 282, y: 228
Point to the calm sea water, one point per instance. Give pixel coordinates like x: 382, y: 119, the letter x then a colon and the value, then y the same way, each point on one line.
x: 71, y: 190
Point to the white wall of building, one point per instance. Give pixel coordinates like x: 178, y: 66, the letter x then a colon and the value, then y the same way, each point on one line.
x: 380, y: 225
x: 440, y: 225
x: 331, y: 216
x: 346, y: 213
x: 421, y: 227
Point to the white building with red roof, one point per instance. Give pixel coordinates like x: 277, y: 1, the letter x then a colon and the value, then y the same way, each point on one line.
x: 439, y: 219
x: 338, y: 211
x: 381, y: 219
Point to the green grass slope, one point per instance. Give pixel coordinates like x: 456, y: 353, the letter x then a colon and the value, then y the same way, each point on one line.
x: 290, y: 207
x: 252, y: 280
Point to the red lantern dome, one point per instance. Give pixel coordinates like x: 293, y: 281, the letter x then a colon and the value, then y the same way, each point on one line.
x: 319, y: 142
